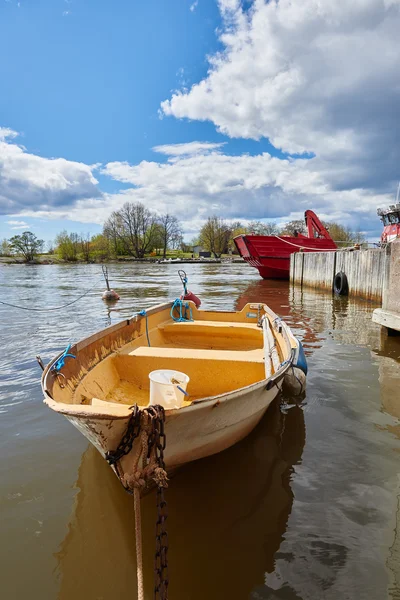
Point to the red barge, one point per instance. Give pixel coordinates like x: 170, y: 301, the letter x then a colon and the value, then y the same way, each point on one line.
x: 270, y: 254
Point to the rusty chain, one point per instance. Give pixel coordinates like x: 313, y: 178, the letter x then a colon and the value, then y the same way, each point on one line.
x: 161, y: 556
x: 125, y: 445
x: 156, y: 446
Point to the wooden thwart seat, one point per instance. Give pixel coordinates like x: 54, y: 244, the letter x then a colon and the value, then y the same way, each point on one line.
x: 212, y: 328
x: 211, y: 372
x: 253, y: 356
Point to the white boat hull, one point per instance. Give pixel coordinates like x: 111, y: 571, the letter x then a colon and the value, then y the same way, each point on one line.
x: 193, y: 432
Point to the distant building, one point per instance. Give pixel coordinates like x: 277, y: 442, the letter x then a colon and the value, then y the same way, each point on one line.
x: 197, y: 249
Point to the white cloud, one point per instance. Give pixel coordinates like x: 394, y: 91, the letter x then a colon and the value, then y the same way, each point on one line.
x: 198, y: 179
x: 18, y: 224
x: 5, y: 133
x: 240, y: 187
x: 228, y: 6
x: 28, y: 181
x: 189, y: 148
x: 194, y: 5
x: 313, y: 76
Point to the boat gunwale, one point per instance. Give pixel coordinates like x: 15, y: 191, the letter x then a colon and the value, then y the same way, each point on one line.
x: 89, y: 411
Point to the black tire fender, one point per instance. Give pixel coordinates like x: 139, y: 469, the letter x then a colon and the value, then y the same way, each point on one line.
x: 340, y: 284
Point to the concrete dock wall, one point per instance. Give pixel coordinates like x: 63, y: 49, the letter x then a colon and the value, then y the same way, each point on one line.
x: 366, y: 270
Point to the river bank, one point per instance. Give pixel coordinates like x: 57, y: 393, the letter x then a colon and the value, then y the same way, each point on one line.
x: 44, y: 260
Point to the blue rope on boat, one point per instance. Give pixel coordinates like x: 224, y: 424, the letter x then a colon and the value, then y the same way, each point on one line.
x: 182, y: 308
x: 143, y: 313
x: 60, y: 362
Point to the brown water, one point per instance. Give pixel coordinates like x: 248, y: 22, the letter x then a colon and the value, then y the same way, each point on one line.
x: 307, y: 507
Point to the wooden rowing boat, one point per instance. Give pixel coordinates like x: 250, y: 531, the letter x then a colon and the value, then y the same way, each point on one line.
x: 236, y: 362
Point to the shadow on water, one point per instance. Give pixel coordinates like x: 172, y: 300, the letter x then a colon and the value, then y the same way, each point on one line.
x: 227, y: 518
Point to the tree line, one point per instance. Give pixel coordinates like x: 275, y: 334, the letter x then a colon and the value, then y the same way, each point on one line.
x: 136, y: 231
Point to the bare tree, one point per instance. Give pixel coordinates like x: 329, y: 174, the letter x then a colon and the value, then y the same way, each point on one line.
x: 114, y: 232
x: 171, y: 232
x: 177, y: 240
x: 294, y: 227
x: 259, y: 228
x: 140, y: 223
x: 134, y: 226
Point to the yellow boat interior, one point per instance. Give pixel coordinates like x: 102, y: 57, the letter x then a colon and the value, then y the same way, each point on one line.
x: 219, y: 351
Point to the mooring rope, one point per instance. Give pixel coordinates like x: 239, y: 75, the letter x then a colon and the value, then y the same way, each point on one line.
x: 305, y: 247
x: 139, y: 483
x: 49, y: 308
x: 138, y: 536
x: 143, y: 313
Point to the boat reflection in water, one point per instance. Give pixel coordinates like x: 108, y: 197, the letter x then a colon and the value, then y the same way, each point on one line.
x: 285, y: 302
x: 227, y: 517
x: 313, y: 315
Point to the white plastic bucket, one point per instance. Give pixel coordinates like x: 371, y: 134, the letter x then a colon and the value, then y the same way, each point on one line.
x: 163, y: 391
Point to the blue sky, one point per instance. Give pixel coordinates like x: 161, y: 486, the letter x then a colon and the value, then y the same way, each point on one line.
x: 87, y: 85
x: 98, y: 85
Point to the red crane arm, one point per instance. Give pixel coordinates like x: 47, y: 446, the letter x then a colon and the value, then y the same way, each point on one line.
x: 315, y: 227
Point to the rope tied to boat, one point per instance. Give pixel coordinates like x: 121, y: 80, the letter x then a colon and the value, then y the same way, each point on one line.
x: 147, y: 427
x: 304, y: 247
x: 59, y: 364
x: 182, y: 308
x: 143, y: 313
